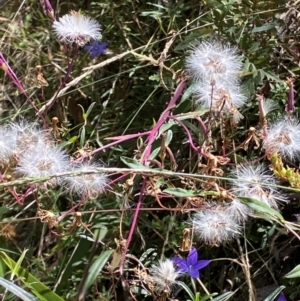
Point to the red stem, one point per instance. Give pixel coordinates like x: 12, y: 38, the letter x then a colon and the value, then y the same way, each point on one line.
x: 164, y: 116
x: 133, y: 224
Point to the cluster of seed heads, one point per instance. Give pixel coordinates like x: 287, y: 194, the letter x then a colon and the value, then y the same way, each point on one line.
x: 26, y: 150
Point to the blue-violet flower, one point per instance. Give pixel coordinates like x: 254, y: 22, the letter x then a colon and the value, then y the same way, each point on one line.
x: 190, y: 265
x: 96, y: 48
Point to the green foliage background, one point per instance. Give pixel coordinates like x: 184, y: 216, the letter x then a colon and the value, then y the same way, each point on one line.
x: 127, y: 96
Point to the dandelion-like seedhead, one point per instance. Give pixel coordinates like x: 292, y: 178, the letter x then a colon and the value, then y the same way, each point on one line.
x: 25, y: 134
x: 254, y: 181
x: 164, y: 275
x: 220, y: 96
x: 215, y: 226
x: 77, y: 28
x: 7, y: 145
x: 268, y: 106
x: 213, y: 61
x: 283, y: 138
x: 42, y: 160
x: 90, y: 185
x: 238, y: 211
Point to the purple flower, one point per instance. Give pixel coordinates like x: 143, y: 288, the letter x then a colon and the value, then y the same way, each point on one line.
x: 191, y: 265
x: 96, y: 48
x: 281, y: 297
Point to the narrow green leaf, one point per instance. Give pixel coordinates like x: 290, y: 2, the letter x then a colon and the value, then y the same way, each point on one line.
x: 207, y: 297
x: 188, y: 92
x: 18, y: 265
x: 223, y: 297
x: 154, y: 153
x: 90, y: 109
x: 294, y: 273
x: 43, y: 292
x: 169, y: 137
x: 272, y: 296
x: 132, y: 163
x: 182, y: 193
x: 264, y: 27
x: 96, y: 268
x: 148, y: 255
x: 82, y: 137
x: 166, y: 126
x: 16, y: 290
x: 187, y: 289
x: 73, y: 139
x: 263, y: 208
x: 100, y: 232
x: 68, y: 264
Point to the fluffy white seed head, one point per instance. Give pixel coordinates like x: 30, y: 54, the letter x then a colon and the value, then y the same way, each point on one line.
x: 87, y: 185
x: 7, y: 145
x: 25, y: 134
x: 164, y: 275
x: 268, y: 106
x: 238, y: 211
x: 283, y: 138
x: 42, y: 160
x: 213, y: 61
x: 77, y: 28
x: 220, y: 97
x: 215, y: 226
x: 254, y: 181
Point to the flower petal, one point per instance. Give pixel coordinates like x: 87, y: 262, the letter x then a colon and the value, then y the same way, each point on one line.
x: 192, y: 257
x: 96, y: 48
x: 181, y: 264
x: 200, y: 264
x: 281, y: 297
x: 194, y: 273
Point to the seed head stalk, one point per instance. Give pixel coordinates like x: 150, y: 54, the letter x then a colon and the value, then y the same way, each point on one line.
x: 68, y: 72
x: 290, y: 108
x: 133, y: 224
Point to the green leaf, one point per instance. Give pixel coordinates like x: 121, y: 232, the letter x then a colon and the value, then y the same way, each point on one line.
x: 100, y: 232
x: 42, y: 291
x: 188, y: 92
x: 182, y: 193
x: 154, y: 153
x: 263, y: 208
x: 148, y: 256
x: 16, y: 290
x: 153, y: 14
x: 90, y: 109
x: 82, y: 137
x: 272, y: 296
x: 68, y: 263
x: 18, y: 265
x: 96, y: 268
x: 207, y: 297
x: 73, y: 139
x: 191, y: 126
x: 169, y: 137
x: 264, y: 27
x: 224, y: 296
x: 132, y: 163
x: 166, y: 126
x: 187, y: 289
x: 294, y: 273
